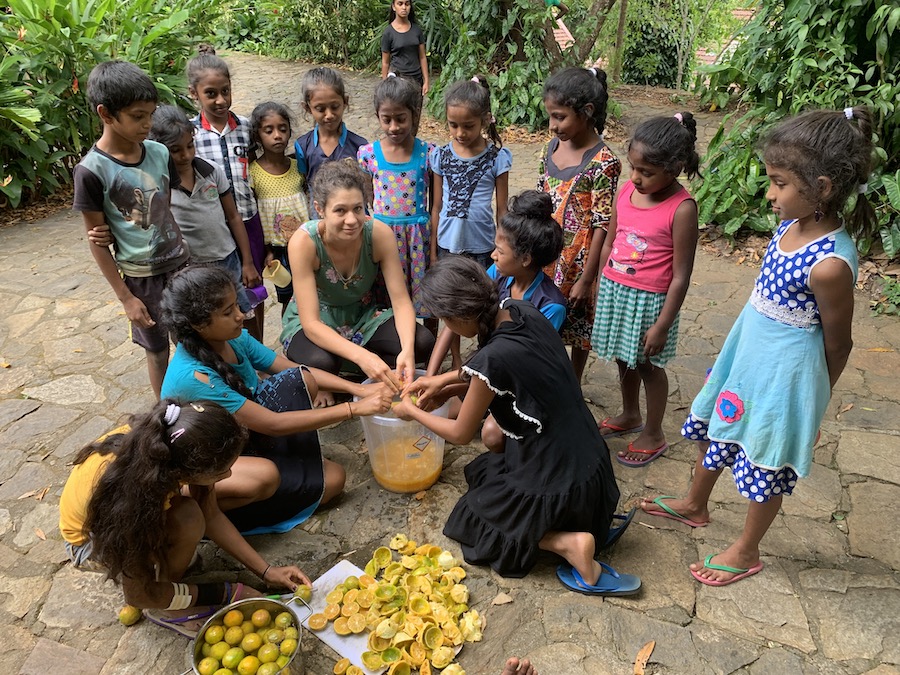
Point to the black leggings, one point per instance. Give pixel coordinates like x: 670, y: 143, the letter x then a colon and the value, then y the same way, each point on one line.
x: 384, y: 342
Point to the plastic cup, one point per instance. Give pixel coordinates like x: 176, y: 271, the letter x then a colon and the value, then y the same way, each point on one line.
x: 277, y: 274
x: 256, y: 294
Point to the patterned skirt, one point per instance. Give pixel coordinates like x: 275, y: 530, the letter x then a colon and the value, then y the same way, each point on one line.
x: 753, y: 482
x: 623, y: 317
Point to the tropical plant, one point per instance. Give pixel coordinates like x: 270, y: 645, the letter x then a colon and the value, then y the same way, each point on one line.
x: 795, y: 55
x: 48, y: 50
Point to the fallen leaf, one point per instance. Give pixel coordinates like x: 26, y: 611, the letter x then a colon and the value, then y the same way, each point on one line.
x: 43, y: 493
x: 869, y: 409
x: 648, y: 526
x: 881, y: 349
x: 420, y: 495
x: 4, y: 364
x: 643, y: 656
x: 30, y: 493
x: 78, y: 351
x: 740, y: 261
x: 501, y: 599
x: 843, y: 409
x: 40, y: 534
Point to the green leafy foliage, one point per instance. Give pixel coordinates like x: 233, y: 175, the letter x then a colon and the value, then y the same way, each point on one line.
x: 794, y: 56
x: 649, y: 56
x: 50, y: 47
x: 515, y: 68
x: 889, y: 302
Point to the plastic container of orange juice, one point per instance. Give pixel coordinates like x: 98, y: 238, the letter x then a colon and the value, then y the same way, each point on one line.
x: 405, y: 456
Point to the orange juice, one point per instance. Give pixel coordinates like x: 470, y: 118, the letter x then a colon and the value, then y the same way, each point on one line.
x: 406, y: 464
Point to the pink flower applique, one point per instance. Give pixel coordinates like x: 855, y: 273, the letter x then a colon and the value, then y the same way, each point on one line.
x: 730, y: 407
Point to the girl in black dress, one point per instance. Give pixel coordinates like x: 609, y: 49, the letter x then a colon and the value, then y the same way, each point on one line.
x: 552, y: 488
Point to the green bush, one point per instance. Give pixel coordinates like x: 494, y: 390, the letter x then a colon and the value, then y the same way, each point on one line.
x: 50, y: 48
x: 649, y: 54
x: 794, y: 56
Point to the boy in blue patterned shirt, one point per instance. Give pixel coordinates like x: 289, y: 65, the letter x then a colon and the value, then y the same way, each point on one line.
x: 122, y: 185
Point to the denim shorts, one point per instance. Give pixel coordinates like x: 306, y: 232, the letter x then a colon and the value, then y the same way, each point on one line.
x: 232, y: 263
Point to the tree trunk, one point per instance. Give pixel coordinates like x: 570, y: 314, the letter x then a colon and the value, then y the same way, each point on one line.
x: 599, y: 11
x: 620, y: 40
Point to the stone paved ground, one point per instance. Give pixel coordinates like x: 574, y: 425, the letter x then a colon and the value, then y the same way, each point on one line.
x: 827, y: 602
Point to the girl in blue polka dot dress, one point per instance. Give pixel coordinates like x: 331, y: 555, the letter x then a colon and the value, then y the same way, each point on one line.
x: 760, y: 409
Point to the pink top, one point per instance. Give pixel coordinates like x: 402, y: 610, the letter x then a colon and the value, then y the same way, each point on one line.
x: 642, y: 252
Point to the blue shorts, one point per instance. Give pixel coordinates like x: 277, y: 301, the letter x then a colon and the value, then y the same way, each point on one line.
x: 79, y: 554
x: 232, y: 263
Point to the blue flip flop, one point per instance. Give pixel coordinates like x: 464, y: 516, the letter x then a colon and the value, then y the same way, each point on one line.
x: 615, y: 533
x: 609, y: 583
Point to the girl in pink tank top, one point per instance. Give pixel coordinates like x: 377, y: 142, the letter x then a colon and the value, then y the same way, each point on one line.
x: 646, y: 263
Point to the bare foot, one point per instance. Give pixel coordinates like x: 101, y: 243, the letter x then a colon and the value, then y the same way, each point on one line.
x: 516, y: 667
x: 730, y: 557
x: 324, y: 399
x: 617, y: 424
x: 578, y: 549
x: 687, y: 510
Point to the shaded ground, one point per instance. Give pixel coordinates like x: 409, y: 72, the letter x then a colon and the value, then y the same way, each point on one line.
x: 827, y: 602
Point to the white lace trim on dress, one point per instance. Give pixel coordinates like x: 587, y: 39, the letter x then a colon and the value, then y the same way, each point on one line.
x: 799, y: 317
x: 528, y: 418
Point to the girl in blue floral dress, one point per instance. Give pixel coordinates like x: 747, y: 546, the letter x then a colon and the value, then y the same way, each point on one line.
x: 760, y: 409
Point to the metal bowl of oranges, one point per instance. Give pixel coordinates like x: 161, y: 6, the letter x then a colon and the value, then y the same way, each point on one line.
x: 255, y: 636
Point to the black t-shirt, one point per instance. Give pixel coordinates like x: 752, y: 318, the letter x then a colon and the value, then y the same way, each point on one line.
x: 404, y: 49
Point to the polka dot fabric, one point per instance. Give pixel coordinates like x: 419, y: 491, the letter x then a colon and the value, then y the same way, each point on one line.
x: 753, y: 482
x: 782, y: 288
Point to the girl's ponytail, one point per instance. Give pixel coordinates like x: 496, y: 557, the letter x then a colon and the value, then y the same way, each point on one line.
x: 190, y: 299
x: 175, y: 443
x: 669, y: 142
x: 577, y: 88
x: 475, y: 94
x: 861, y: 220
x: 835, y: 144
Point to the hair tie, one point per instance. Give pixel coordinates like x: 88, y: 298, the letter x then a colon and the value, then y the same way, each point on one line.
x: 679, y: 117
x: 863, y: 188
x: 476, y: 80
x: 173, y: 410
x: 493, y: 120
x: 176, y: 434
x: 848, y: 113
x: 593, y: 71
x: 392, y: 74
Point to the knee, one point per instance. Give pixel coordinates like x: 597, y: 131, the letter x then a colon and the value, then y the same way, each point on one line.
x: 424, y: 344
x: 268, y: 480
x: 185, y: 522
x: 492, y: 437
x: 335, y: 478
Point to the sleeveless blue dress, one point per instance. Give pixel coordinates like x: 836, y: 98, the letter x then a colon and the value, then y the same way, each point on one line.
x: 765, y: 397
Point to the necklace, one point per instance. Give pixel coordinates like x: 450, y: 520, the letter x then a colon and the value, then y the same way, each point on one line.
x: 337, y: 277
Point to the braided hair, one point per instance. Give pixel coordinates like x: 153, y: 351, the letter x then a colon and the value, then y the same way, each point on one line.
x: 189, y: 301
x: 172, y: 445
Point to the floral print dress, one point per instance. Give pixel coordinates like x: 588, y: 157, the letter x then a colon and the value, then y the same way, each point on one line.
x: 401, y: 201
x: 582, y: 202
x: 767, y: 392
x: 347, y: 305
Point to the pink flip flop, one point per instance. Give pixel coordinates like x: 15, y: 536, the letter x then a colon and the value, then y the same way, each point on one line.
x: 651, y: 455
x: 738, y: 572
x: 669, y: 512
x: 615, y: 430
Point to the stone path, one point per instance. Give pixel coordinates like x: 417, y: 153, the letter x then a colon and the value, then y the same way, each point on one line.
x: 827, y: 602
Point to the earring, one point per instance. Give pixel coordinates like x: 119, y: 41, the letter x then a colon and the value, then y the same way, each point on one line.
x: 818, y: 213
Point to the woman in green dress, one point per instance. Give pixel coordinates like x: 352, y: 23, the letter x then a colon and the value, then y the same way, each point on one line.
x: 335, y: 261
